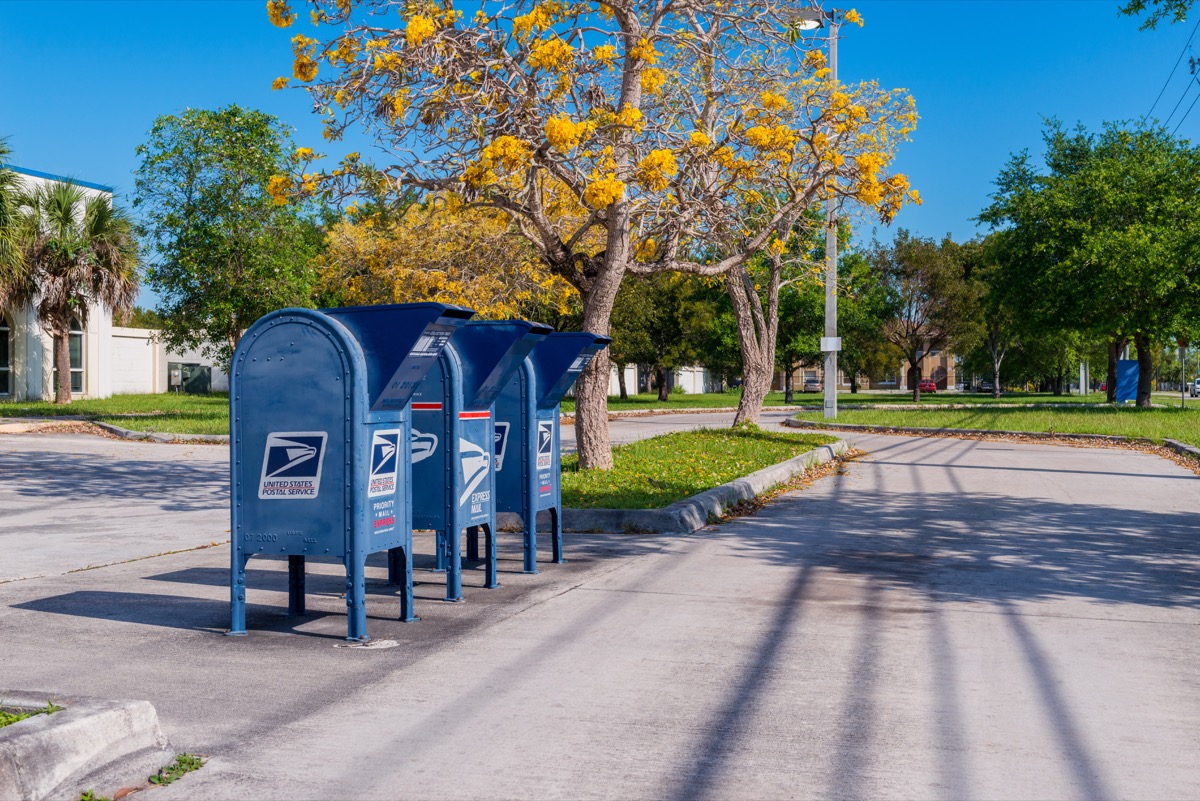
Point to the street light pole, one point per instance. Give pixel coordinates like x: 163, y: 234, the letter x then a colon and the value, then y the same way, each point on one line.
x: 831, y: 343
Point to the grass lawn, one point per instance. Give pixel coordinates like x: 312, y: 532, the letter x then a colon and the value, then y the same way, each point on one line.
x: 167, y: 412
x: 729, y: 400
x: 1155, y: 424
x: 656, y: 472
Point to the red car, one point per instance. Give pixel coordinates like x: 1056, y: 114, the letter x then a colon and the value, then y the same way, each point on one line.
x: 927, y: 385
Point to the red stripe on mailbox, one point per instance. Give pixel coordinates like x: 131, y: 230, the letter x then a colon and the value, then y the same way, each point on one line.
x: 427, y: 407
x: 474, y: 415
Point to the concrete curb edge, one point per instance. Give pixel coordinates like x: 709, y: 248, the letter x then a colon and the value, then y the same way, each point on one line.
x: 155, y: 436
x: 90, y: 744
x: 690, y: 514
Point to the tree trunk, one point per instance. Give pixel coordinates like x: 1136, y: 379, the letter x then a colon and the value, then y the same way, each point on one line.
x: 62, y: 361
x: 591, y: 390
x: 621, y: 381
x: 1114, y: 351
x: 756, y: 337
x: 664, y: 386
x: 789, y: 384
x: 1145, y: 371
x: 996, y: 379
x: 914, y: 376
x: 853, y: 382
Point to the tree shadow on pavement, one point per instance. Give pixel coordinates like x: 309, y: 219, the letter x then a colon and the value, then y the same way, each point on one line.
x: 173, y: 486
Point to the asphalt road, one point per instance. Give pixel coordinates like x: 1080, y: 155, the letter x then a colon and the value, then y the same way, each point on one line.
x: 946, y: 619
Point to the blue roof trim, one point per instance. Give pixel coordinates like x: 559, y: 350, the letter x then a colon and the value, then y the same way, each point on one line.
x: 52, y: 177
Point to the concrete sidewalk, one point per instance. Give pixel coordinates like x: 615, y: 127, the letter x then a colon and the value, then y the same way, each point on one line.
x: 946, y: 619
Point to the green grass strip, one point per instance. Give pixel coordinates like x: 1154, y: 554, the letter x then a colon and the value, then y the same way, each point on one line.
x: 1153, y: 424
x: 657, y: 472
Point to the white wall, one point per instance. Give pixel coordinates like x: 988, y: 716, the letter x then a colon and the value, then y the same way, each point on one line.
x: 138, y: 363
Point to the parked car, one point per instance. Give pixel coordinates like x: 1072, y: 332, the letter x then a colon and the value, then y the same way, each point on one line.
x: 1103, y: 386
x: 811, y: 385
x: 984, y: 386
x: 927, y: 385
x: 1196, y: 388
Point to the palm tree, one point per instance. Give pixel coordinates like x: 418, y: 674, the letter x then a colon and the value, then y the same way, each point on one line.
x: 78, y: 251
x: 10, y: 251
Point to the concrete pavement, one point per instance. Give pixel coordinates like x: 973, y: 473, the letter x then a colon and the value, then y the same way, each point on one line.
x: 947, y: 619
x: 71, y: 501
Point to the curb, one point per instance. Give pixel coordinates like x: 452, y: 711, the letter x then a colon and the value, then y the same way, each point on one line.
x: 91, y: 744
x: 1114, y: 438
x: 690, y: 514
x: 1182, y: 448
x: 154, y: 436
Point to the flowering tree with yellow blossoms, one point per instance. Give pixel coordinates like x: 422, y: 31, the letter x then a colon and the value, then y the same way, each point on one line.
x: 618, y: 135
x: 442, y: 250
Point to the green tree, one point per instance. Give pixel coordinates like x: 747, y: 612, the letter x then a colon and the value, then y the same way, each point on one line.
x: 934, y: 304
x: 1107, y: 237
x: 863, y: 309
x: 79, y: 250
x: 224, y: 251
x: 1156, y: 11
x: 657, y: 320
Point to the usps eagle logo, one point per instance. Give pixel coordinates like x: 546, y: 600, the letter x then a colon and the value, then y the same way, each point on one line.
x: 292, y: 465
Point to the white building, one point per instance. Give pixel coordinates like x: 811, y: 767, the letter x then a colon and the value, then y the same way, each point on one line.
x: 105, y: 359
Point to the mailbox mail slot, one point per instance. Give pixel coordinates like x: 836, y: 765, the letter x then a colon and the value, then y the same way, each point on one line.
x: 452, y: 435
x: 528, y: 463
x: 319, y: 442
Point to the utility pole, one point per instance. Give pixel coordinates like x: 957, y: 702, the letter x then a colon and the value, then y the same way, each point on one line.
x: 831, y: 343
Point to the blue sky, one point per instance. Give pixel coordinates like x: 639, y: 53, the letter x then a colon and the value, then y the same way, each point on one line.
x: 84, y: 80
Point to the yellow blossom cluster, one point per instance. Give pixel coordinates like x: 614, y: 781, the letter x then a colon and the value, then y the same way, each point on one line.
x: 279, y: 83
x: 655, y: 171
x: 699, y: 139
x: 604, y: 191
x: 853, y: 17
x: 304, y: 67
x: 304, y: 153
x: 279, y: 187
x: 399, y: 104
x: 280, y: 13
x: 646, y: 250
x: 771, y: 138
x: 604, y: 55
x: 345, y: 52
x: 653, y: 80
x: 644, y: 51
x: 539, y: 18
x: 774, y: 102
x: 630, y: 117
x: 552, y: 54
x: 507, y: 153
x: 565, y: 135
x: 419, y: 29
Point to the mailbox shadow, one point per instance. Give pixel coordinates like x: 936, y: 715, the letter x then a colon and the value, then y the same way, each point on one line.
x: 172, y: 486
x: 174, y: 612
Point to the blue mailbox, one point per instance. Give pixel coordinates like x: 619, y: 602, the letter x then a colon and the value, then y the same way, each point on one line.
x: 452, y: 436
x: 319, y: 443
x: 528, y: 470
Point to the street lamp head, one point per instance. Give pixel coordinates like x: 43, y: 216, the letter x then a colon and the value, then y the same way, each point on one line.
x: 810, y: 19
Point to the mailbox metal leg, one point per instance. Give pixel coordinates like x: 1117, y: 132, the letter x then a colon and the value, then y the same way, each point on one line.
x: 491, y: 581
x: 473, y: 544
x: 295, y: 585
x: 403, y: 559
x: 356, y: 601
x: 237, y: 595
x: 440, y: 552
x: 453, y: 564
x: 395, y: 561
x: 529, y: 520
x: 556, y: 536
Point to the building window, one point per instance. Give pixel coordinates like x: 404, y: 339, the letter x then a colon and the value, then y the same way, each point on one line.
x: 5, y: 356
x: 75, y: 350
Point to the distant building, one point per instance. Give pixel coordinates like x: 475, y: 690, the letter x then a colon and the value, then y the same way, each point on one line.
x: 105, y: 359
